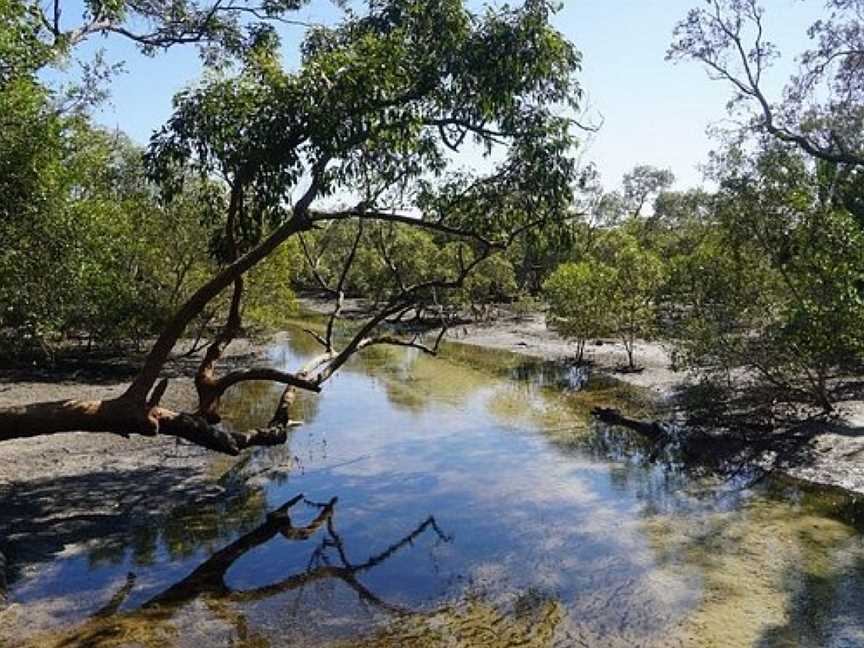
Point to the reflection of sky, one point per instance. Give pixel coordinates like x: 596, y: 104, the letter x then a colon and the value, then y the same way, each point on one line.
x: 521, y: 515
x: 626, y: 548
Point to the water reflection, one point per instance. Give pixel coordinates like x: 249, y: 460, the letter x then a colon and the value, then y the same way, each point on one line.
x: 151, y: 622
x: 558, y: 532
x: 785, y: 563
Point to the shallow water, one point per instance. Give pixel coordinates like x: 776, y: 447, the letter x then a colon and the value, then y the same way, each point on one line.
x: 477, y: 506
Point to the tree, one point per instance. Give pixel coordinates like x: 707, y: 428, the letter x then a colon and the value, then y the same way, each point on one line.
x: 637, y: 278
x: 773, y: 293
x: 30, y: 160
x: 579, y: 297
x: 821, y: 110
x: 88, y: 225
x: 640, y: 184
x: 371, y: 112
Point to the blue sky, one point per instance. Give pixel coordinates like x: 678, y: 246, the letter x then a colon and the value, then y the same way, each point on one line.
x: 654, y: 112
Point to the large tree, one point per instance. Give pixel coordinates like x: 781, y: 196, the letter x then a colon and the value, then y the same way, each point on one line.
x: 822, y: 106
x: 774, y: 286
x: 369, y: 120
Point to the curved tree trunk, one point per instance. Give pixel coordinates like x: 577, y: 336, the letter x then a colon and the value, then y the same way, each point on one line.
x: 122, y: 415
x: 132, y: 412
x: 163, y: 346
x: 125, y: 416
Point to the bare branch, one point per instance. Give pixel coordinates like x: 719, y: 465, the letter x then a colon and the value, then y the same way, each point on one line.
x: 371, y: 214
x: 313, y: 264
x: 707, y: 35
x: 340, y: 288
x: 412, y: 343
x: 317, y: 337
x: 385, y: 255
x: 399, y: 303
x: 265, y: 374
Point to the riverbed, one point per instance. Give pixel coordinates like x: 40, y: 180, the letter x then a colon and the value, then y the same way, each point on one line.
x: 465, y: 500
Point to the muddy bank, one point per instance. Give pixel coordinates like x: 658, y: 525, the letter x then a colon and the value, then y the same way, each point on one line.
x: 529, y: 336
x: 835, y: 456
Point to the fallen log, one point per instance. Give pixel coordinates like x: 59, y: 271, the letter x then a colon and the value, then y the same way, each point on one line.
x: 651, y: 430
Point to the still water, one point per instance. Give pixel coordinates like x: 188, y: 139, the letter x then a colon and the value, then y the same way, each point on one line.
x: 467, y: 501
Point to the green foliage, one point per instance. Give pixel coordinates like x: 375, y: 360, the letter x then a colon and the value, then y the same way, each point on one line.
x: 614, y: 291
x: 88, y: 251
x: 493, y: 281
x: 641, y: 183
x: 526, y: 305
x: 638, y: 277
x: 377, y: 100
x: 22, y: 52
x: 776, y: 288
x: 579, y: 296
x: 373, y: 112
x: 388, y: 255
x: 92, y: 249
x: 270, y: 301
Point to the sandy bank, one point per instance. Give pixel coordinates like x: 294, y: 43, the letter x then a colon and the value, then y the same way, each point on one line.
x: 529, y: 336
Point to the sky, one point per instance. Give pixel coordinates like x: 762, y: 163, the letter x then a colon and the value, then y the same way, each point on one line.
x: 652, y: 111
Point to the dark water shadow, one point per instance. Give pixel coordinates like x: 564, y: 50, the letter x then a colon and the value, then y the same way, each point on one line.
x: 119, y: 515
x: 817, y: 602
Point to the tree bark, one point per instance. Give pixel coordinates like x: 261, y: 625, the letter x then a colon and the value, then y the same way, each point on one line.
x: 205, y: 379
x: 4, y: 584
x: 120, y: 415
x: 124, y: 416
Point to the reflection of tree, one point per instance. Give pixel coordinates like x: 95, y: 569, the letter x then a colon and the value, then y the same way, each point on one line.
x: 251, y: 404
x: 192, y: 527
x: 415, y: 382
x: 150, y: 623
x: 121, y: 515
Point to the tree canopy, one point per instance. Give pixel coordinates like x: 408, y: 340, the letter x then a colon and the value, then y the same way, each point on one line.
x: 362, y: 132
